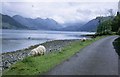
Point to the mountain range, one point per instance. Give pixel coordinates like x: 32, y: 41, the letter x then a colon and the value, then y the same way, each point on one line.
x: 38, y: 23
x: 9, y: 23
x: 19, y: 22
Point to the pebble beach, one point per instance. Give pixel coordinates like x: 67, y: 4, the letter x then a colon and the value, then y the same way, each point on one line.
x: 10, y: 58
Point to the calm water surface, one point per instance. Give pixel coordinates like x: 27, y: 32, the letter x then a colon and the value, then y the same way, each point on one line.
x: 18, y: 39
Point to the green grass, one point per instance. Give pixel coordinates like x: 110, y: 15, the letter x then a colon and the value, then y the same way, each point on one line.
x: 41, y: 64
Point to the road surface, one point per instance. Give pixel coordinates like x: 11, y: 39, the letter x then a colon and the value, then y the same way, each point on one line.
x: 98, y: 58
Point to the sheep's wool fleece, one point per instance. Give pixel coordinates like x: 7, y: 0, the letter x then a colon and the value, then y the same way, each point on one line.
x: 39, y: 50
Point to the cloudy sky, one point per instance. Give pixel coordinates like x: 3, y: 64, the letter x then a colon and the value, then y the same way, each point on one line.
x: 63, y: 11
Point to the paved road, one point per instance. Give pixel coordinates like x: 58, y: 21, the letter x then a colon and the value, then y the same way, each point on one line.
x: 98, y: 58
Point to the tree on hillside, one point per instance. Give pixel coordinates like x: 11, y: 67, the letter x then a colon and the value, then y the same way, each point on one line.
x: 105, y: 27
x: 116, y: 23
x: 111, y: 12
x: 109, y: 26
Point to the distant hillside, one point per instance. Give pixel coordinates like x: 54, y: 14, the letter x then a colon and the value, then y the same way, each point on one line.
x: 19, y: 22
x: 9, y: 23
x: 92, y: 25
x: 38, y: 23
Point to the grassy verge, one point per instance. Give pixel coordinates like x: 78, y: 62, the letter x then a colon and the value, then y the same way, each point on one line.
x: 41, y: 64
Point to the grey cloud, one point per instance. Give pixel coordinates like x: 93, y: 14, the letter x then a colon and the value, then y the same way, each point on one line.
x: 86, y: 11
x: 61, y: 12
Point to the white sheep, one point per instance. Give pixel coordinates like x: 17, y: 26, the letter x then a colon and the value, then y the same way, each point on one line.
x: 40, y: 50
x: 83, y: 39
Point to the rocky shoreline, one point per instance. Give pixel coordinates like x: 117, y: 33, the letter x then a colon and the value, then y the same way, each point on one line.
x: 10, y: 58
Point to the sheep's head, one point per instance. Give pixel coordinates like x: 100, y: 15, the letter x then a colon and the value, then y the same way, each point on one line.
x: 31, y: 53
